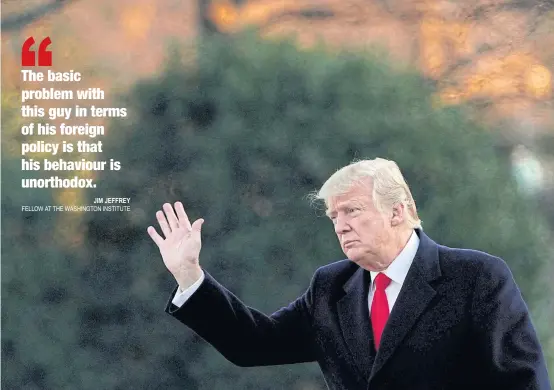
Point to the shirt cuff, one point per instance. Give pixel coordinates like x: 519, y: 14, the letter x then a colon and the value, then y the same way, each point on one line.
x: 181, y: 296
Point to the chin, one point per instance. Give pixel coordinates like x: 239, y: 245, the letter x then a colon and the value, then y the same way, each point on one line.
x: 364, y: 260
x: 354, y: 255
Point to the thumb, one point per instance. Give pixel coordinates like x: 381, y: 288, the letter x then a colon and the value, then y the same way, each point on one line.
x: 197, y: 225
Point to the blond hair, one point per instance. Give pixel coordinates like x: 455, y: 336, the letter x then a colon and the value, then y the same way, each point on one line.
x: 389, y: 186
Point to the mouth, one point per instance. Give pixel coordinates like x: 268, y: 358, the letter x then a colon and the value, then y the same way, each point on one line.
x: 349, y: 243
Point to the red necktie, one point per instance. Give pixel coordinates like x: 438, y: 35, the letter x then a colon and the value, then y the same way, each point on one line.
x: 379, y: 307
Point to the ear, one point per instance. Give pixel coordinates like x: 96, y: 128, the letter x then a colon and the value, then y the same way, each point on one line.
x: 397, y: 214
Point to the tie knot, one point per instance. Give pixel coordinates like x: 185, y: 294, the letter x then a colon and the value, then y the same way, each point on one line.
x: 382, y: 281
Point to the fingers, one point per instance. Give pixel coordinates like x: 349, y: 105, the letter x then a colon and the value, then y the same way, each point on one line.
x: 155, y: 236
x: 163, y: 223
x: 169, y: 222
x: 183, y: 218
x: 171, y: 217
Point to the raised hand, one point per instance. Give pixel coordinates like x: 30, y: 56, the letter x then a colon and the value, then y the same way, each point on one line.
x: 180, y: 249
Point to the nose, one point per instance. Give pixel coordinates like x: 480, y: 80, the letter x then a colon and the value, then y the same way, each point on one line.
x: 341, y: 226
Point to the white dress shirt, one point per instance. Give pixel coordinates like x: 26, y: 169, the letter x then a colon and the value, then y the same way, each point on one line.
x: 396, y: 271
x: 181, y: 296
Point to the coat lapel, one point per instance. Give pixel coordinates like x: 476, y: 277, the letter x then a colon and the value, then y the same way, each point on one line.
x: 353, y: 315
x: 414, y: 297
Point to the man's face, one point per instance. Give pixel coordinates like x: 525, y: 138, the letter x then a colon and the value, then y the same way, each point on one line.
x: 365, y: 235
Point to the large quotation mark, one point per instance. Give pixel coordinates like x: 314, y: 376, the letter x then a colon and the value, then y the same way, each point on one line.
x: 28, y: 57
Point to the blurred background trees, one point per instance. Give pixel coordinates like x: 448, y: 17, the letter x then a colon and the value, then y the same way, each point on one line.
x: 496, y: 56
x: 241, y: 136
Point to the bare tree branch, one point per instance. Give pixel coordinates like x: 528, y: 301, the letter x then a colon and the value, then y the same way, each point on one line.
x: 18, y: 22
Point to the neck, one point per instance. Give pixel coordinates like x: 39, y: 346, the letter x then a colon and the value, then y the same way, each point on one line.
x: 401, y: 240
x: 398, y: 243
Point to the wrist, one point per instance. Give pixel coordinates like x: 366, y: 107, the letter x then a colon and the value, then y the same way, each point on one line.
x: 189, y: 277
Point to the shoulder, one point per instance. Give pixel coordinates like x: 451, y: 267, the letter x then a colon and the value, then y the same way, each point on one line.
x: 337, y: 268
x: 470, y: 258
x: 473, y: 263
x: 336, y: 273
x: 329, y: 280
x: 491, y: 286
x: 477, y: 276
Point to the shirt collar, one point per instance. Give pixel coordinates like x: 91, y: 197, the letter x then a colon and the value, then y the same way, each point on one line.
x: 400, y: 266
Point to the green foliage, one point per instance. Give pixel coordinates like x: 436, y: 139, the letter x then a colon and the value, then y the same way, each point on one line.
x: 242, y: 139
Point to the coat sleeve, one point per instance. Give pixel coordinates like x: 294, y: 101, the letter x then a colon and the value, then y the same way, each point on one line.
x: 245, y: 336
x: 507, y: 347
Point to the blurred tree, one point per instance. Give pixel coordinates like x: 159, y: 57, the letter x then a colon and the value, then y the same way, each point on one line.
x: 496, y: 56
x: 40, y: 288
x: 12, y: 21
x: 473, y: 50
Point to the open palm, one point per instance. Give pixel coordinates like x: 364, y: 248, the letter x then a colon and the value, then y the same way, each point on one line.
x: 180, y: 249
